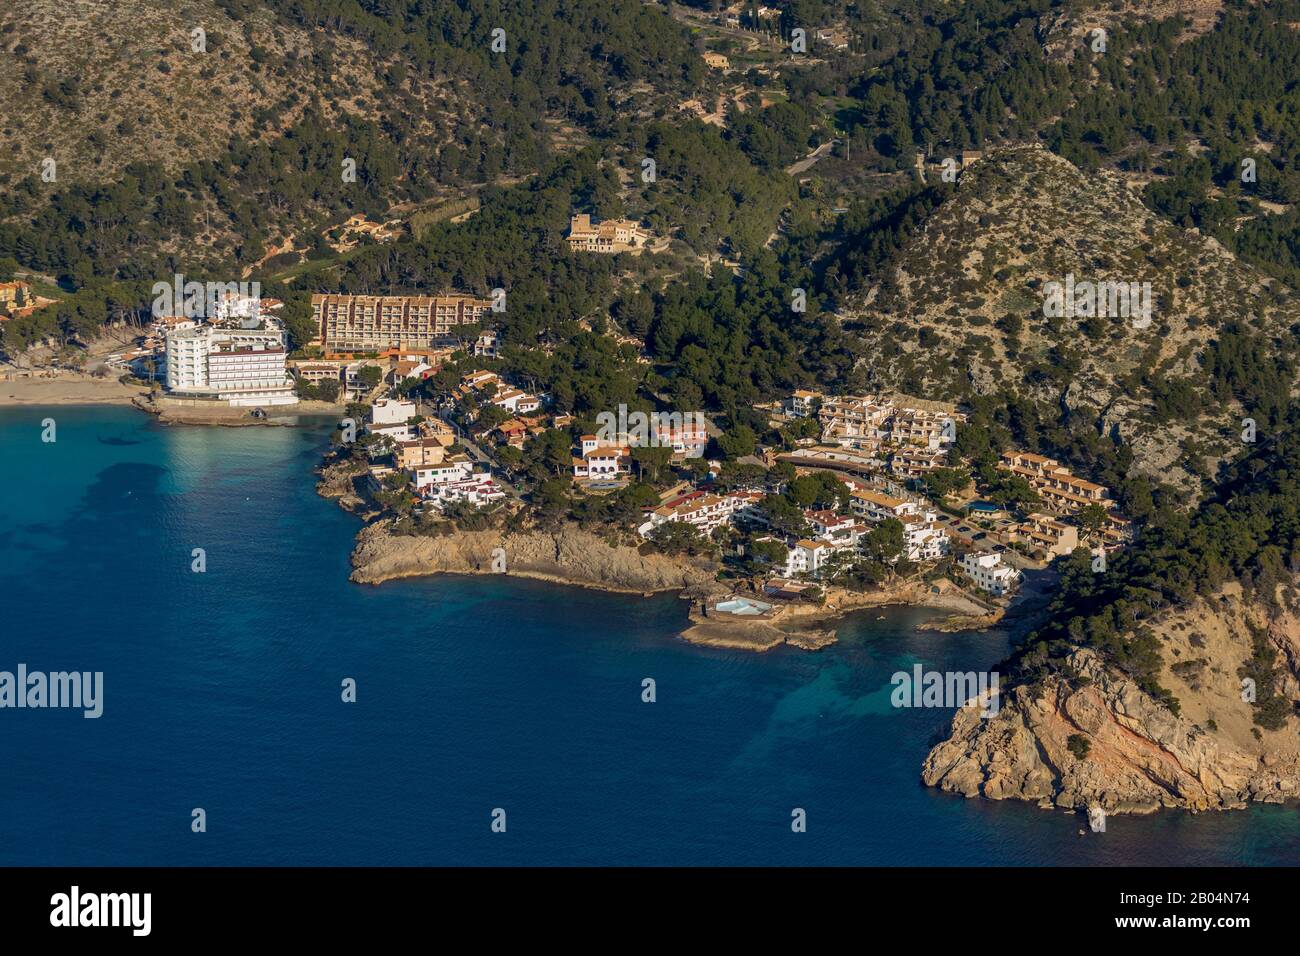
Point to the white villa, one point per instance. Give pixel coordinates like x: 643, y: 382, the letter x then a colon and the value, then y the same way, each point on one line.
x: 808, y: 557
x: 515, y: 401
x: 600, y: 459
x: 988, y: 572
x: 705, y: 512
x: 390, y: 416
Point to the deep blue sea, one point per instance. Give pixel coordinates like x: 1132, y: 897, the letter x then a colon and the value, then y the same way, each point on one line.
x: 222, y: 690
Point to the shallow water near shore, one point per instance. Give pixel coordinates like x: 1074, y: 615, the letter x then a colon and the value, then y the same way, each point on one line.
x: 222, y: 691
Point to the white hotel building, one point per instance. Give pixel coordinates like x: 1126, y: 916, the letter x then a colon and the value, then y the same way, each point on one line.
x: 241, y: 367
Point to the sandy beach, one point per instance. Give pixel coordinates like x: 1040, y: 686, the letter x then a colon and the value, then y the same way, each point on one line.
x: 73, y: 389
x: 67, y: 390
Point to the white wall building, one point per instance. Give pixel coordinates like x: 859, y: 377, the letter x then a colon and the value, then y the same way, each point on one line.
x: 876, y: 506
x: 603, y: 462
x: 447, y: 471
x: 807, y: 557
x: 829, y: 526
x: 477, y: 489
x: 246, y: 310
x: 988, y: 572
x: 241, y: 367
x: 923, y: 539
x: 391, y: 411
x: 454, y: 480
x: 800, y: 403
x: 515, y: 401
x: 706, y: 512
x: 389, y: 416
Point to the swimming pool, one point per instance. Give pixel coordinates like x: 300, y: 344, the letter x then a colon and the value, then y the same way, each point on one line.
x: 742, y: 605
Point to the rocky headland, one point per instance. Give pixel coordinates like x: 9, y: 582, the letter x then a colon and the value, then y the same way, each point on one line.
x: 567, y: 555
x: 1139, y: 755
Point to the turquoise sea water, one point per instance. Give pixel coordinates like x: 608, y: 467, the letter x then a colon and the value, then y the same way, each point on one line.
x: 222, y: 691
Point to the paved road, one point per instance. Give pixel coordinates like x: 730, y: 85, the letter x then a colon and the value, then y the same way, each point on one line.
x: 808, y: 161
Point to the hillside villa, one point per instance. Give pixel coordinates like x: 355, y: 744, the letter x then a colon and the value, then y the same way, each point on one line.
x: 609, y: 236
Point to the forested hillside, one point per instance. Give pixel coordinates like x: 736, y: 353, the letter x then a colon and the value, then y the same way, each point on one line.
x: 243, y: 159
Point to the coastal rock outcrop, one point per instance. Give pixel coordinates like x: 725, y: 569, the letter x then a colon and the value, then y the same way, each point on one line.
x: 339, y: 481
x: 567, y: 555
x: 1139, y: 754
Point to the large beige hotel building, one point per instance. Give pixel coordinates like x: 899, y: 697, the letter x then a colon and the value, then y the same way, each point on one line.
x: 376, y: 323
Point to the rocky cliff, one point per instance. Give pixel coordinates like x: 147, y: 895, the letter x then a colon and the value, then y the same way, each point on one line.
x: 568, y: 555
x: 1140, y: 756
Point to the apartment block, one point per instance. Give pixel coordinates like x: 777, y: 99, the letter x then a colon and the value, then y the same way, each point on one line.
x: 391, y: 417
x: 914, y: 463
x: 377, y: 323
x: 1043, y: 532
x: 421, y: 453
x: 705, y: 511
x: 875, y: 506
x: 863, y: 421
x: 457, y: 468
x: 848, y: 418
x: 923, y: 538
x: 808, y: 557
x: 1054, y: 482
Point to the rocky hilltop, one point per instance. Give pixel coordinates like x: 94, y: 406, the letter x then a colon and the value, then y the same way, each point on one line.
x: 1065, y: 33
x: 1139, y: 755
x: 960, y: 309
x: 568, y: 555
x: 182, y: 105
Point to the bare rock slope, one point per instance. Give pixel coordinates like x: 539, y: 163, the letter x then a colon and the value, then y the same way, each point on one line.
x: 1140, y: 755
